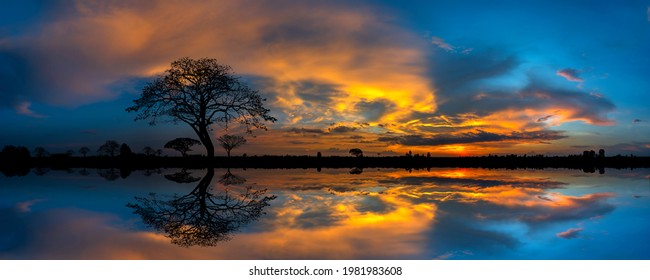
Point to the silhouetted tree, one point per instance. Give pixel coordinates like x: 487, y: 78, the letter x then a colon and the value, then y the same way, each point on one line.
x: 69, y: 153
x: 319, y: 155
x: 109, y: 148
x: 15, y: 152
x: 201, y: 92
x: 182, y: 145
x: 601, y: 153
x: 149, y: 151
x: 125, y: 150
x: 356, y: 152
x: 40, y: 152
x: 201, y: 217
x: 229, y: 142
x: 159, y: 152
x: 84, y: 151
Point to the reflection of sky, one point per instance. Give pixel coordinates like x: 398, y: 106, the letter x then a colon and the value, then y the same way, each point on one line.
x: 387, y: 214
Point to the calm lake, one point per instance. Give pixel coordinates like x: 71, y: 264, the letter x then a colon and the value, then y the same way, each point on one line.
x: 446, y: 213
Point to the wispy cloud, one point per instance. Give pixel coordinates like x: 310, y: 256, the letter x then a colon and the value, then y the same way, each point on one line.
x: 544, y: 118
x: 442, y: 44
x: 570, y: 74
x: 570, y: 233
x: 23, y: 108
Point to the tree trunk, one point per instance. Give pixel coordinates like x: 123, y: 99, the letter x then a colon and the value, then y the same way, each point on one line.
x: 204, y: 136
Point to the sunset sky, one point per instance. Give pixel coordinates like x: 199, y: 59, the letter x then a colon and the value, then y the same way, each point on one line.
x: 449, y: 78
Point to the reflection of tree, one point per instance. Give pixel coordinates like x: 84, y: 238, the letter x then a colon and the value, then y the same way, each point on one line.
x: 231, y: 179
x: 356, y: 170
x: 182, y: 177
x: 201, y: 217
x: 110, y: 174
x: 40, y: 171
x: 151, y: 171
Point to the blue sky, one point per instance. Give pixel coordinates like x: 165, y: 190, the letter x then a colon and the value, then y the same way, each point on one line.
x: 461, y: 78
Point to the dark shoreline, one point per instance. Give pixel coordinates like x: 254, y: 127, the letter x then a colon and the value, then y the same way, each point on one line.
x: 18, y: 167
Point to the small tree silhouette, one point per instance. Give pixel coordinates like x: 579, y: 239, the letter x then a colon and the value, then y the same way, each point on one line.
x: 149, y: 151
x: 601, y: 153
x: 40, y: 152
x: 84, y: 151
x: 182, y: 145
x: 229, y: 142
x: 109, y: 148
x: 125, y: 150
x: 356, y: 152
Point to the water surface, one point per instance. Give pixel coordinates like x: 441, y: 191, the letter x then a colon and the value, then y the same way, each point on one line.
x: 332, y: 214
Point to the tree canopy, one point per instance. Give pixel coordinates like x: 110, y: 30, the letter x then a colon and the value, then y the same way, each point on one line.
x: 109, y: 148
x: 201, y: 92
x: 356, y: 152
x: 182, y: 145
x: 229, y: 142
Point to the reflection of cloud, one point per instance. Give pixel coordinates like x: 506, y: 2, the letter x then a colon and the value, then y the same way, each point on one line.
x: 570, y: 233
x: 570, y: 74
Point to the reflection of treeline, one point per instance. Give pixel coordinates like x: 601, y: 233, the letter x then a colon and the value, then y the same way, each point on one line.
x: 17, y: 164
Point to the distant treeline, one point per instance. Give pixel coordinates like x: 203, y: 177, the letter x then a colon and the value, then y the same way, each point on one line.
x: 18, y: 162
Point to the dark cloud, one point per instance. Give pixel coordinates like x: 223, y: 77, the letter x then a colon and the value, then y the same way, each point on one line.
x: 636, y: 148
x: 306, y: 130
x: 461, y: 89
x: 452, y: 233
x: 637, y: 121
x: 581, y: 146
x: 374, y: 110
x: 302, y: 142
x: 342, y: 129
x: 479, y: 136
x: 570, y: 74
x: 545, y: 118
x: 16, y: 82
